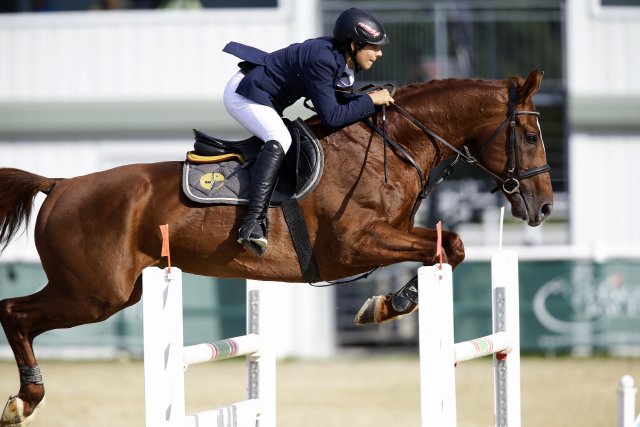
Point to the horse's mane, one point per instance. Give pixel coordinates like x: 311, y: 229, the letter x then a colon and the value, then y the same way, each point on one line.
x: 458, y: 82
x: 415, y: 88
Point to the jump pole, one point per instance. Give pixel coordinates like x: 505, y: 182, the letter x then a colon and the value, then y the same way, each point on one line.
x: 439, y: 354
x: 166, y: 359
x: 627, y: 403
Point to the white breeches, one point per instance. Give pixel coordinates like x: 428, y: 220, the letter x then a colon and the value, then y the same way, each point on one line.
x: 261, y: 120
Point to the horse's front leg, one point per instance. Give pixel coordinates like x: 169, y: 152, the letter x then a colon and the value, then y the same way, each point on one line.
x: 452, y: 246
x: 382, y: 308
x: 382, y: 244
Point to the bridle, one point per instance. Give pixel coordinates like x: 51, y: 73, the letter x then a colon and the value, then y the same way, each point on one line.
x: 510, y: 183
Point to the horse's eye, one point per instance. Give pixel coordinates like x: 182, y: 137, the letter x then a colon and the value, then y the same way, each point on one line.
x: 531, y: 138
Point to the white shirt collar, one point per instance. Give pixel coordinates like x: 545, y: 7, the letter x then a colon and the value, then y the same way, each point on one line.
x: 347, y: 78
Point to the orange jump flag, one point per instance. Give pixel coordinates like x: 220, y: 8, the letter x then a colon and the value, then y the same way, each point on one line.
x: 164, y: 230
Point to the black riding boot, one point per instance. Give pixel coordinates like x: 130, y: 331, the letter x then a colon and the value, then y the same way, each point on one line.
x: 264, y: 174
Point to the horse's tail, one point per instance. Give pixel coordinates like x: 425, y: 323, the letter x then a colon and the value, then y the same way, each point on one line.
x: 17, y: 191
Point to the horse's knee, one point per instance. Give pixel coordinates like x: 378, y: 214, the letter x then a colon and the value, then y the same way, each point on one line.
x: 4, y: 310
x: 8, y: 319
x: 454, y: 249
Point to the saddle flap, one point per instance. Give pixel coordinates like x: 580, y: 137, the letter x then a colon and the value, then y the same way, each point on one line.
x: 303, y: 165
x: 299, y: 175
x: 310, y: 153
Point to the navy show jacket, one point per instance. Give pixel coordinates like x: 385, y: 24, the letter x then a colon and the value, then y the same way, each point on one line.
x: 308, y: 69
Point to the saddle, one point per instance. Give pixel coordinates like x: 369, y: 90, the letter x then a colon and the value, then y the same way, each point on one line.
x: 218, y: 170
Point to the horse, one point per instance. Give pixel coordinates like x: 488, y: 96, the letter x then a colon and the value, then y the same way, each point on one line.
x: 96, y: 233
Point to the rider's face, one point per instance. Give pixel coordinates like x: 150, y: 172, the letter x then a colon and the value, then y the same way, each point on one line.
x: 367, y: 55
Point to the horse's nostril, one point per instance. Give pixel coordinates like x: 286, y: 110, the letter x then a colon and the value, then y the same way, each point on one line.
x: 546, y: 210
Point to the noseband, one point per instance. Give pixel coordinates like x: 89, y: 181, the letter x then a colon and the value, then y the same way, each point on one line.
x: 511, y: 182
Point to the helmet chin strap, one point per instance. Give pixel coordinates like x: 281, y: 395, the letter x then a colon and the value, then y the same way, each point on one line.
x: 352, y: 55
x: 356, y: 67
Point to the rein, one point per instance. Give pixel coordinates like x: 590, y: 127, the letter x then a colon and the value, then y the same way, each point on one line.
x: 510, y: 184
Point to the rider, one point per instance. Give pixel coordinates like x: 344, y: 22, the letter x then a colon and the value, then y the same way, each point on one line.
x: 267, y: 83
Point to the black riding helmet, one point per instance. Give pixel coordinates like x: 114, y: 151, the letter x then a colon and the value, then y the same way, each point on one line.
x: 360, y: 26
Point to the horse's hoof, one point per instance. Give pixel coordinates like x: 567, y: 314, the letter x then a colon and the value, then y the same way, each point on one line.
x: 13, y: 414
x: 367, y: 313
x: 378, y: 309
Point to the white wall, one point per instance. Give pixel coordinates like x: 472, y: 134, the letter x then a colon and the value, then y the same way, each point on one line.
x: 602, y: 49
x: 132, y: 55
x: 605, y: 187
x: 603, y: 87
x: 121, y: 69
x: 300, y: 320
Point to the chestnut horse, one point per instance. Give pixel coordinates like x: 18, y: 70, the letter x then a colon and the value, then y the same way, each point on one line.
x: 96, y: 233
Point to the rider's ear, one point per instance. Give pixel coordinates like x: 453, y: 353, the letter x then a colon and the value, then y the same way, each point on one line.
x: 531, y: 85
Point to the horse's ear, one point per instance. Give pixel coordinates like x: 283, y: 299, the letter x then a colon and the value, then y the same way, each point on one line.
x: 531, y: 85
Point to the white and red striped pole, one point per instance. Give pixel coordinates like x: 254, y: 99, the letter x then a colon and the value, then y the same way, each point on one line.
x: 166, y: 358
x: 439, y: 354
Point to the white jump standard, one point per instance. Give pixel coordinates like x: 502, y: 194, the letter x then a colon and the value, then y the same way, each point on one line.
x: 166, y: 358
x: 439, y: 354
x: 627, y: 403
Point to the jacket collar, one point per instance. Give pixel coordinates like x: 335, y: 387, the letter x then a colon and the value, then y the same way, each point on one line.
x: 341, y: 62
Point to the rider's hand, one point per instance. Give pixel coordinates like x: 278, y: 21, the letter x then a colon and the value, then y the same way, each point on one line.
x: 381, y: 97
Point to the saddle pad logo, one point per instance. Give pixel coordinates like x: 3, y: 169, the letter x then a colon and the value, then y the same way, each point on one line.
x: 209, y: 180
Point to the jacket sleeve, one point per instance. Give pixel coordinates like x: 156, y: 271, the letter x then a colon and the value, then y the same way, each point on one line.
x: 319, y: 81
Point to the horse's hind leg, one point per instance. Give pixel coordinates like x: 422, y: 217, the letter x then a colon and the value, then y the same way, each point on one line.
x: 16, y: 315
x: 25, y: 318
